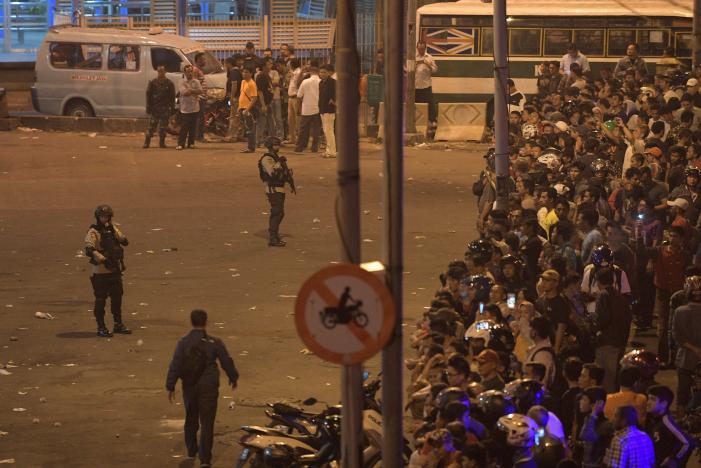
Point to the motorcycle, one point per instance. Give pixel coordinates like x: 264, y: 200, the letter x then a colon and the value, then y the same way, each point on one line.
x: 299, y: 438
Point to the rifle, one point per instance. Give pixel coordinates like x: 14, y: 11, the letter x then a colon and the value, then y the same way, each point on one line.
x: 287, y: 174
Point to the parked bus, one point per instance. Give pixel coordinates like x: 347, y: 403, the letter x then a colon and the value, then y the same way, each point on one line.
x: 459, y: 36
x: 104, y: 72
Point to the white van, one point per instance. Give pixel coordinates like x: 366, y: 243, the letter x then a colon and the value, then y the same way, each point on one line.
x: 102, y: 72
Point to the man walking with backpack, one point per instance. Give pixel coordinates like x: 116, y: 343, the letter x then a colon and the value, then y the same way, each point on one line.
x: 194, y: 362
x: 275, y: 174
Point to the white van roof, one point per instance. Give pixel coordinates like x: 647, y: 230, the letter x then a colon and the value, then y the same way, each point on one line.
x: 121, y: 36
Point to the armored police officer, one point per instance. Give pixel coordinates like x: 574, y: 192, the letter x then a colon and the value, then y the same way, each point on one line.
x: 160, y: 101
x: 104, y: 246
x: 195, y: 363
x: 275, y: 174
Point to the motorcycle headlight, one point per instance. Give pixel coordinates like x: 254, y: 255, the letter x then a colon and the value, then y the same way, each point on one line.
x: 216, y: 93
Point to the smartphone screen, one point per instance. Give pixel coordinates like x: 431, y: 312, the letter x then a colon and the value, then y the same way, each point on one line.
x: 511, y: 300
x: 481, y: 308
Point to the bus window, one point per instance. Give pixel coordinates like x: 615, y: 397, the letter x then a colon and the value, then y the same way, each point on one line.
x: 556, y: 41
x: 590, y: 41
x: 619, y: 40
x: 123, y: 58
x: 166, y: 57
x: 653, y: 42
x: 68, y: 55
x: 683, y: 44
x: 524, y: 41
x: 487, y: 41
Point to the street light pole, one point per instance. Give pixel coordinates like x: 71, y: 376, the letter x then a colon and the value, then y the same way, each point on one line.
x: 392, y: 362
x: 348, y: 211
x: 181, y: 17
x: 501, y: 114
x: 411, y: 67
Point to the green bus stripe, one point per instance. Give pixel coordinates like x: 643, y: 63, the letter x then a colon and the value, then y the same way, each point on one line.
x: 438, y: 98
x: 480, y: 68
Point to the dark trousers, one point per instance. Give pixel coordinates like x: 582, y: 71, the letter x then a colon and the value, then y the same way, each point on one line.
x: 425, y: 95
x: 157, y: 121
x: 684, y: 383
x: 187, y: 129
x: 200, y: 122
x: 277, y: 212
x: 200, y: 410
x: 309, y: 123
x: 107, y: 285
x: 248, y: 121
x: 662, y: 309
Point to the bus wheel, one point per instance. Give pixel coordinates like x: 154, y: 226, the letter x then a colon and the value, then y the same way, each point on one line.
x: 78, y: 108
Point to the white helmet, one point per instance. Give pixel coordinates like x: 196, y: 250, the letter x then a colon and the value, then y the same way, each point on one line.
x: 551, y: 158
x: 480, y: 329
x: 520, y: 430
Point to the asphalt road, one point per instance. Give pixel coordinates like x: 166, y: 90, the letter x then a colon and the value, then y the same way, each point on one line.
x: 197, y: 224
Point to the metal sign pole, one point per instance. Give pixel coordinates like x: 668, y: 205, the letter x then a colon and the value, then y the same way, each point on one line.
x: 501, y: 112
x: 348, y: 209
x: 392, y: 388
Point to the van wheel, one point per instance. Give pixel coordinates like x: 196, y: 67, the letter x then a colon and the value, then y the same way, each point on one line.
x: 78, y: 108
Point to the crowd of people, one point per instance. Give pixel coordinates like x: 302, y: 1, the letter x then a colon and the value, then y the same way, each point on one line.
x: 532, y: 352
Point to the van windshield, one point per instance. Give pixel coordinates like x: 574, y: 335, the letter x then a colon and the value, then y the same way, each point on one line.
x: 211, y: 64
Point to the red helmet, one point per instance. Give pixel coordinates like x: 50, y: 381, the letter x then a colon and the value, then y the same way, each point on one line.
x: 647, y: 362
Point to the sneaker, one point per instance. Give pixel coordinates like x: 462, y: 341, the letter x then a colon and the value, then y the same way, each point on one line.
x: 104, y: 333
x: 276, y: 243
x: 121, y: 328
x: 178, y: 147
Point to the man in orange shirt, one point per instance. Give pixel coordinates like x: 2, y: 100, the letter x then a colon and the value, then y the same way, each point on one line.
x: 626, y: 396
x: 247, y: 108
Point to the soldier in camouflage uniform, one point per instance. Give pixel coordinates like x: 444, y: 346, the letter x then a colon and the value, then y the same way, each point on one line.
x: 160, y: 101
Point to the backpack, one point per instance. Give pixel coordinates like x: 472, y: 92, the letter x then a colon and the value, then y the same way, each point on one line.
x: 558, y: 386
x: 478, y: 186
x: 194, y: 363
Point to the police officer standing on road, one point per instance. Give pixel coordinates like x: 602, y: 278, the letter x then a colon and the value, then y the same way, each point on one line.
x: 104, y: 247
x: 160, y: 101
x: 194, y: 362
x: 275, y: 174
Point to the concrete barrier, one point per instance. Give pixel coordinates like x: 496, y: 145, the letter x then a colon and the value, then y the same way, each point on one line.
x: 461, y: 121
x: 420, y: 117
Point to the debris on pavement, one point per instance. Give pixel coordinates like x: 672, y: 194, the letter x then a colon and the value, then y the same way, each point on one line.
x: 43, y: 315
x: 13, y: 338
x: 4, y: 372
x: 19, y: 410
x: 57, y: 424
x: 35, y: 421
x: 7, y: 461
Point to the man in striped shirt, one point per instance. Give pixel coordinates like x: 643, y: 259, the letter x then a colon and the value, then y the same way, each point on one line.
x: 630, y: 447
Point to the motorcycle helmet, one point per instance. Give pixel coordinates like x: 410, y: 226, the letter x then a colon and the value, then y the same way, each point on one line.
x: 480, y: 251
x: 520, y: 430
x: 602, y: 256
x: 692, y: 286
x: 481, y: 285
x: 510, y: 259
x: 451, y: 394
x: 692, y: 171
x: 600, y: 165
x: 480, y: 329
x: 494, y: 404
x: 474, y: 390
x: 550, y: 158
x: 272, y: 141
x: 647, y: 362
x: 490, y: 156
x: 548, y: 450
x: 647, y: 92
x: 525, y: 393
x: 104, y: 210
x: 569, y: 108
x: 501, y: 339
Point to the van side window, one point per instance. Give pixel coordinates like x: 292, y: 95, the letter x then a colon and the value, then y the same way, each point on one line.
x: 123, y: 57
x: 72, y: 55
x: 166, y: 57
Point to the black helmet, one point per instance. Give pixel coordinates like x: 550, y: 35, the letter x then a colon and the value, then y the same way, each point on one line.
x: 548, y: 451
x: 525, y: 393
x: 451, y: 394
x: 510, y: 259
x: 495, y: 404
x: 602, y: 256
x: 272, y: 141
x: 480, y: 251
x: 600, y: 165
x: 647, y: 362
x: 482, y: 285
x: 490, y: 156
x: 692, y: 171
x: 501, y: 339
x: 103, y: 210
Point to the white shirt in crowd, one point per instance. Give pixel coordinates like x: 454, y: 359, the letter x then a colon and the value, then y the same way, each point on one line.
x: 292, y: 88
x: 309, y: 92
x: 568, y: 60
x: 425, y: 70
x: 191, y: 103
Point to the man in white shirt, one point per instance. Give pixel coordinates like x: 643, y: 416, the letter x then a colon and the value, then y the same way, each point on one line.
x: 190, y: 89
x: 308, y: 92
x: 542, y: 351
x: 573, y: 56
x: 295, y: 70
x: 425, y: 68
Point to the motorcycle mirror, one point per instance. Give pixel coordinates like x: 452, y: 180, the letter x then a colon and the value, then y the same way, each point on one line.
x: 310, y: 401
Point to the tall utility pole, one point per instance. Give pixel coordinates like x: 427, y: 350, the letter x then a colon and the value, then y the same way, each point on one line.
x: 411, y: 67
x: 348, y: 211
x: 697, y: 33
x: 501, y: 112
x: 181, y: 17
x: 392, y: 362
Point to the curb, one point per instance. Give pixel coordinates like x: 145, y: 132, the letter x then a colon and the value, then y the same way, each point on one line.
x: 79, y: 124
